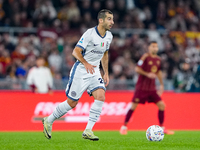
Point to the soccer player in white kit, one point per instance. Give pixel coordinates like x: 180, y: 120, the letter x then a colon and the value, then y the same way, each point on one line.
x: 85, y: 74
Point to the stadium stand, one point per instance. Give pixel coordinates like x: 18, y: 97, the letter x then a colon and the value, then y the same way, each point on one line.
x: 51, y: 28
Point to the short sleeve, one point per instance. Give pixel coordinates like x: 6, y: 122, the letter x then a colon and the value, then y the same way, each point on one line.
x: 84, y: 40
x: 142, y: 61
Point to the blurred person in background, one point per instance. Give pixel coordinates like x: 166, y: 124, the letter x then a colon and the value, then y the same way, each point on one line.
x: 2, y: 75
x: 194, y: 82
x: 197, y: 78
x: 55, y: 61
x: 148, y: 68
x: 183, y: 77
x: 22, y: 70
x: 40, y: 78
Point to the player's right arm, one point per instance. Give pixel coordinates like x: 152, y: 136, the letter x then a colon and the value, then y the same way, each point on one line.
x: 77, y: 53
x: 30, y: 76
x: 139, y: 69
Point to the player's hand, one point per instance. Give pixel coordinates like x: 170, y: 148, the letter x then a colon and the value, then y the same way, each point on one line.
x: 106, y: 79
x: 161, y: 90
x: 89, y: 68
x: 50, y: 92
x: 151, y: 75
x: 36, y: 90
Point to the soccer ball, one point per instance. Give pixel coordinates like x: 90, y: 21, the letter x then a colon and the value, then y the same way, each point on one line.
x: 155, y: 133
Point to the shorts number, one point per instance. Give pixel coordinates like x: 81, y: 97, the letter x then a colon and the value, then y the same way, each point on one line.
x: 101, y: 80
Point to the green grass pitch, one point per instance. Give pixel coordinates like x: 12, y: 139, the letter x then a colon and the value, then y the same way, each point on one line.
x: 109, y: 140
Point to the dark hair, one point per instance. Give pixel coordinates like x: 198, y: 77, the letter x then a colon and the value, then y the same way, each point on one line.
x: 102, y: 13
x: 40, y: 57
x: 152, y: 42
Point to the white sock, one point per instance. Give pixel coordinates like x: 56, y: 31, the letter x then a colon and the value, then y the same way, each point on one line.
x: 60, y: 110
x: 95, y: 112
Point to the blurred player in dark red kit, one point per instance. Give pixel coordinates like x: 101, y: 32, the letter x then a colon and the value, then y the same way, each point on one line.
x: 148, y: 68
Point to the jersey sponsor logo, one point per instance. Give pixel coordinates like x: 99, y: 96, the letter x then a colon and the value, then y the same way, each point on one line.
x: 81, y: 41
x: 111, y: 112
x: 97, y: 52
x: 96, y: 44
x: 154, y: 69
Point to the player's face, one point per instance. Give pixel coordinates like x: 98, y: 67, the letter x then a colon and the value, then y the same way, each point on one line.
x: 108, y: 21
x: 186, y: 66
x: 153, y: 48
x: 40, y: 62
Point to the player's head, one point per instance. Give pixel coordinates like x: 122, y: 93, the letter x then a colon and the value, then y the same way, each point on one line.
x: 153, y: 47
x: 40, y: 61
x: 185, y: 65
x: 105, y: 18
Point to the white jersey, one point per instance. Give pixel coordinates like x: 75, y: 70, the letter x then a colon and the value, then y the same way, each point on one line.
x: 94, y: 46
x: 40, y: 77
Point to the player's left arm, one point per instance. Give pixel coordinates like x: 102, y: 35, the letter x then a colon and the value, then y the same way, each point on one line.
x: 104, y: 62
x: 161, y: 89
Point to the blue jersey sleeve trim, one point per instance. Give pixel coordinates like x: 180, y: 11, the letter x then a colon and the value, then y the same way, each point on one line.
x: 80, y: 47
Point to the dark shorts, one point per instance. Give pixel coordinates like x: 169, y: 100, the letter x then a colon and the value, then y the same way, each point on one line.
x: 146, y: 96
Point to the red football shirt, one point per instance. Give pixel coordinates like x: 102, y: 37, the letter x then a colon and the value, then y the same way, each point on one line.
x: 150, y: 64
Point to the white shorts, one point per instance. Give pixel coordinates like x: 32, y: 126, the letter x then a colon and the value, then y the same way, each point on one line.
x: 77, y: 85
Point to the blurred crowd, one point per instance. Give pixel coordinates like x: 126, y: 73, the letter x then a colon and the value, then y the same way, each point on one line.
x: 60, y: 24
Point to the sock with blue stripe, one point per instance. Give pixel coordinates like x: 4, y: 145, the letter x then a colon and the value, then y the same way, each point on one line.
x: 60, y: 110
x: 95, y: 112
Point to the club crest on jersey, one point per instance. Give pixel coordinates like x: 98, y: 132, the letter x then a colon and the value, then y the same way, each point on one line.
x: 154, y: 69
x: 81, y: 41
x: 102, y: 44
x: 150, y: 62
x: 73, y: 93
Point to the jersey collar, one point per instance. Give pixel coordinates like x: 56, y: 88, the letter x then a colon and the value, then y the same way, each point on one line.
x: 99, y: 33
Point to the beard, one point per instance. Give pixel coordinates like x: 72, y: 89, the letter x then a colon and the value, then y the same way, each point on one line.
x: 106, y: 27
x: 154, y: 53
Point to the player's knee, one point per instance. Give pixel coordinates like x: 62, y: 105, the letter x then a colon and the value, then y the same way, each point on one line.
x: 162, y: 106
x: 101, y: 98
x: 134, y: 106
x: 72, y: 103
